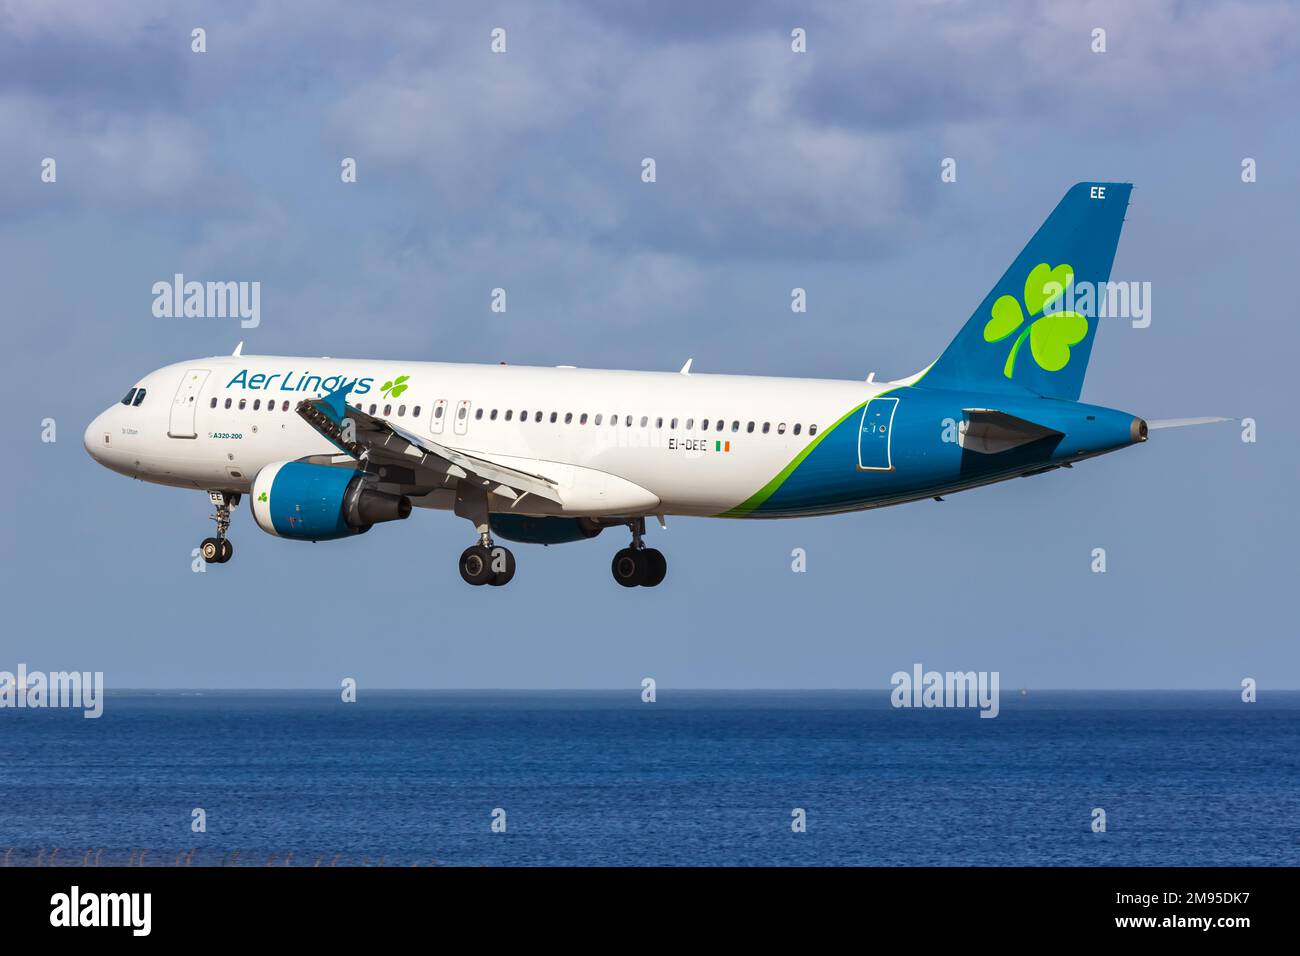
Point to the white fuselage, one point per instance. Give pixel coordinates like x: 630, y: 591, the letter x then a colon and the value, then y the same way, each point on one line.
x: 617, y: 442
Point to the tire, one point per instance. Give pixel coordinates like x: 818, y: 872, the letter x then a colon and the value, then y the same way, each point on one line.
x: 210, y: 550
x: 656, y: 567
x: 227, y: 551
x: 628, y: 568
x: 476, y: 566
x: 502, y: 577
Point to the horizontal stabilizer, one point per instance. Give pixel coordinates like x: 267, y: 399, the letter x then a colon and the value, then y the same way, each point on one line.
x: 988, y: 431
x: 1183, y: 422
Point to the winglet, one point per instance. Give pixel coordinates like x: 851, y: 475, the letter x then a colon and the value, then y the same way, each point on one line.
x: 334, y: 404
x: 686, y: 369
x: 239, y: 349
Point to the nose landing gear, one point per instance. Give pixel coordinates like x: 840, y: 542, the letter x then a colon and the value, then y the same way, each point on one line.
x: 637, y: 565
x: 219, y: 550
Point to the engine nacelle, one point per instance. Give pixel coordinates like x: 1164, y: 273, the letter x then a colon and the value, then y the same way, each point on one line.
x: 294, y: 499
x: 548, y: 530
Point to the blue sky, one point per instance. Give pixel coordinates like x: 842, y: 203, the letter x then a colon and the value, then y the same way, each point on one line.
x: 775, y: 170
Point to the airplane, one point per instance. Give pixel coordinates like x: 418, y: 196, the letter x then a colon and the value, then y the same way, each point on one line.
x: 325, y: 449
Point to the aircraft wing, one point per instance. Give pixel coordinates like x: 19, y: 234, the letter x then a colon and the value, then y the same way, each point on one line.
x: 374, y: 440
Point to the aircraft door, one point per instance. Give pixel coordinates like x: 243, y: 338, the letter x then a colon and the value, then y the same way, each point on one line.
x: 462, y: 416
x: 439, y: 416
x: 186, y: 404
x: 875, y: 434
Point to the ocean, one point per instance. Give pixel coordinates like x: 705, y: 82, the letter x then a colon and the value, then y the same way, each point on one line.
x: 694, y: 778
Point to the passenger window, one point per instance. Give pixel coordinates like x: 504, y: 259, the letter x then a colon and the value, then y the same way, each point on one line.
x: 388, y: 410
x: 493, y: 416
x: 415, y: 412
x: 628, y: 422
x: 812, y: 429
x: 401, y: 410
x: 568, y: 418
x: 537, y: 416
x: 437, y: 413
x: 721, y: 423
x: 673, y: 424
x: 767, y: 426
x: 478, y: 415
x: 242, y: 402
x: 372, y: 409
x: 597, y: 420
x: 257, y: 404
x: 510, y: 413
x: 689, y: 423
x: 227, y: 403
x: 797, y: 426
x: 139, y: 397
x: 582, y: 419
x: 126, y: 399
x: 735, y: 426
x: 270, y: 406
x: 780, y: 429
x: 645, y: 420
x: 214, y: 402
x: 749, y: 429
x: 554, y: 416
x: 659, y: 423
x: 460, y: 412
x: 704, y: 424
x: 285, y: 407
x: 523, y: 416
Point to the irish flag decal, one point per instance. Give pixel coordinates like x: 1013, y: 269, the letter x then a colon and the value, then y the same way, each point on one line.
x: 722, y: 446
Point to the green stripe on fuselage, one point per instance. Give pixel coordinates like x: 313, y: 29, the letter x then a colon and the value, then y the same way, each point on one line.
x: 769, y: 489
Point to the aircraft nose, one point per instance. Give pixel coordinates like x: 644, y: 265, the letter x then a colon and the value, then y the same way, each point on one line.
x: 96, y: 437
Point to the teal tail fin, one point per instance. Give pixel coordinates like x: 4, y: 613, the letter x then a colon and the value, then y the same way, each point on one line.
x: 1035, y: 329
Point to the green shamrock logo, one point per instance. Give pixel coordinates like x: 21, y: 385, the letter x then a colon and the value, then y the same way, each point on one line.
x: 262, y: 497
x: 1050, y: 335
x: 397, y: 386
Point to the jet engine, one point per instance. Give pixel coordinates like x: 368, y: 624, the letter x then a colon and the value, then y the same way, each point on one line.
x: 306, y: 502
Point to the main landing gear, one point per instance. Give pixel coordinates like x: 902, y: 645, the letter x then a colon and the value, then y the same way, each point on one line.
x: 637, y: 565
x: 219, y: 550
x: 485, y: 562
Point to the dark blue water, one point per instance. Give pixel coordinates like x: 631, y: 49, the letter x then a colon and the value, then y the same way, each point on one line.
x: 695, y: 778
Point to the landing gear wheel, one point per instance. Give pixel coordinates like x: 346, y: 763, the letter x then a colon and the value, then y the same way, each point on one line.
x: 476, y: 565
x: 211, y: 550
x: 656, y: 567
x: 227, y: 551
x: 629, y: 567
x: 504, y: 560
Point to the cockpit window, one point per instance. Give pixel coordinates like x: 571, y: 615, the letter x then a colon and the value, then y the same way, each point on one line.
x: 129, y: 395
x: 139, y: 396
